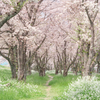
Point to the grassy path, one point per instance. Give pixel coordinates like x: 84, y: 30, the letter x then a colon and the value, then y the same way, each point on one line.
x: 48, y: 88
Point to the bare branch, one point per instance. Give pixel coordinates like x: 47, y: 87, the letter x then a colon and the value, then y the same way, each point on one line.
x: 4, y: 55
x: 86, y: 9
x: 95, y: 16
x: 96, y: 1
x: 4, y: 48
x: 5, y: 41
x: 35, y: 10
x: 74, y: 58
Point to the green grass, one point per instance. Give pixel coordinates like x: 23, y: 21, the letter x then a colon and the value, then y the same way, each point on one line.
x: 59, y: 83
x: 4, y: 73
x: 84, y: 88
x: 36, y: 79
x: 98, y: 76
x: 32, y: 89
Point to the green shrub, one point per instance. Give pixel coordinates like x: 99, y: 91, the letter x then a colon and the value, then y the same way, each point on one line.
x: 13, y: 90
x: 82, y: 89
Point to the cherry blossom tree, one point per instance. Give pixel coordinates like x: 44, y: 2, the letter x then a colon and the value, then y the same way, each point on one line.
x: 15, y: 7
x: 65, y: 29
x: 18, y: 35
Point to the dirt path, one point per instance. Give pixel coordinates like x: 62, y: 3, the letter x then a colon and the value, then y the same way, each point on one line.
x: 48, y: 88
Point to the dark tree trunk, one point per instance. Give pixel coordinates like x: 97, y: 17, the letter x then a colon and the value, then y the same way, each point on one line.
x: 65, y: 73
x: 98, y: 68
x: 41, y: 63
x: 22, y: 59
x: 29, y: 71
x: 65, y: 60
x: 13, y: 61
x: 29, y: 64
x: 75, y: 72
x: 56, y: 71
x: 91, y: 54
x: 76, y: 69
x: 42, y: 71
x: 60, y: 70
x: 13, y: 71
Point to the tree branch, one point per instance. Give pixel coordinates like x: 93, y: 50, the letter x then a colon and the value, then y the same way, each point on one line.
x: 74, y: 58
x: 95, y: 16
x: 4, y: 56
x: 69, y: 35
x: 9, y: 15
x: 36, y: 49
x: 91, y: 22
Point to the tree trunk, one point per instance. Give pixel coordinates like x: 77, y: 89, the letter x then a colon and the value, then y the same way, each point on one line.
x: 29, y: 64
x: 98, y: 68
x: 13, y: 71
x: 91, y: 49
x: 42, y: 71
x: 76, y: 68
x: 60, y: 68
x: 13, y: 61
x: 65, y: 73
x: 75, y: 72
x: 89, y: 62
x: 98, y: 62
x: 56, y: 71
x: 60, y: 71
x: 29, y: 71
x: 65, y: 60
x: 22, y: 59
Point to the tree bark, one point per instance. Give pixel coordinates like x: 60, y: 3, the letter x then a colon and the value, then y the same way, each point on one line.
x: 13, y: 60
x: 56, y: 71
x: 91, y: 53
x: 91, y: 49
x: 65, y: 73
x: 13, y: 71
x: 98, y: 68
x: 66, y: 67
x: 41, y: 71
x: 22, y: 59
x: 29, y: 64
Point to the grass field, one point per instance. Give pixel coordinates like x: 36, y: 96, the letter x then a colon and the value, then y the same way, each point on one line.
x: 59, y: 83
x: 34, y: 88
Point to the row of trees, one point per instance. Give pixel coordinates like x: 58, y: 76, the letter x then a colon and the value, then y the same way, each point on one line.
x: 39, y: 32
x: 16, y: 47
